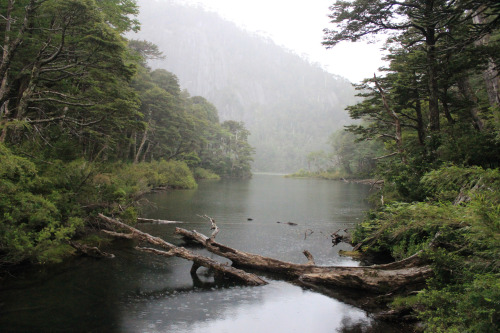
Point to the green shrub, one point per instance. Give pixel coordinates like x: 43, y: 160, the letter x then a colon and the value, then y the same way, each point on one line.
x: 175, y: 174
x: 330, y: 175
x: 35, y: 224
x: 143, y: 176
x: 447, y: 183
x: 464, y: 294
x: 470, y: 307
x: 200, y: 173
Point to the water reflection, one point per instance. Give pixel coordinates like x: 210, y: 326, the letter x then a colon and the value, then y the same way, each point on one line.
x: 318, y: 205
x: 278, y: 307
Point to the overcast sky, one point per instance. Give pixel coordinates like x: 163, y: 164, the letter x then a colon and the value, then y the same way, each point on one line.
x: 298, y: 25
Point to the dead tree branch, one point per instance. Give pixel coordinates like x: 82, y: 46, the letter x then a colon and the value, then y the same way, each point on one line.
x: 172, y: 250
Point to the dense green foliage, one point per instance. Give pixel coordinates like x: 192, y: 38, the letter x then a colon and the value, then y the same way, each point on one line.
x: 45, y: 205
x: 461, y: 218
x: 87, y: 127
x: 436, y: 111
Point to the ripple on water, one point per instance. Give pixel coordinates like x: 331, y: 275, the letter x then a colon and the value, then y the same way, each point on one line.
x: 137, y: 292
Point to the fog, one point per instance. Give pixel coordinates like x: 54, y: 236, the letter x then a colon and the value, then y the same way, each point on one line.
x: 290, y: 105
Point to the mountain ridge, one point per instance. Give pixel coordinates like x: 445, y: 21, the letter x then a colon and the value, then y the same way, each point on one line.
x: 289, y: 105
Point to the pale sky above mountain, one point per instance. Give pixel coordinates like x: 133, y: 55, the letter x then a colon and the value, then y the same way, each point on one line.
x: 298, y: 25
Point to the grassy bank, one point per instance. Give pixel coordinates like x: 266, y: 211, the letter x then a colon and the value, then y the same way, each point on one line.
x: 329, y: 175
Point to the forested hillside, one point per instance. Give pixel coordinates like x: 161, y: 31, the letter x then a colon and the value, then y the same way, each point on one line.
x: 289, y: 105
x: 87, y: 127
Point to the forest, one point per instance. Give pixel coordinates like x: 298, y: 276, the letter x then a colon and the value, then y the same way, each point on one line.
x: 87, y: 127
x: 429, y: 130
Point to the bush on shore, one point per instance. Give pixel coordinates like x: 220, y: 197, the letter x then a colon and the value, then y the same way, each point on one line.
x: 461, y: 217
x: 44, y: 205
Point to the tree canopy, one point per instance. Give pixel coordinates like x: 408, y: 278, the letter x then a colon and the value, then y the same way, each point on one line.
x: 436, y: 109
x: 442, y: 67
x: 86, y: 126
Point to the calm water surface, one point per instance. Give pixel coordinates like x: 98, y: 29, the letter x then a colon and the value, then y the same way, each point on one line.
x: 138, y: 292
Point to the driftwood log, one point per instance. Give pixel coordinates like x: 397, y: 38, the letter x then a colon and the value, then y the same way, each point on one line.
x: 172, y: 250
x: 155, y: 221
x: 407, y: 274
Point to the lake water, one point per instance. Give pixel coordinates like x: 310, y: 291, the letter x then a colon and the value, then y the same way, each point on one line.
x: 138, y: 292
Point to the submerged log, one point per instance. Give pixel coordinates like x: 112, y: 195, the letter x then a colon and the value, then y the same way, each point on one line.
x: 90, y: 251
x: 336, y: 238
x: 172, y: 250
x: 408, y: 274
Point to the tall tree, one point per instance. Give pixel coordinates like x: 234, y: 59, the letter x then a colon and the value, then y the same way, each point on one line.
x: 425, y: 22
x: 70, y: 71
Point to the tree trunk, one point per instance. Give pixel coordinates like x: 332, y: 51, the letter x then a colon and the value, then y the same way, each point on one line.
x: 25, y: 96
x: 133, y: 141
x: 433, y: 84
x: 490, y: 74
x: 155, y: 221
x: 172, y: 250
x: 144, y: 138
x: 397, y: 122
x: 141, y: 146
x: 9, y: 47
x: 147, y: 152
x: 90, y: 251
x: 466, y: 91
x: 408, y: 274
x: 491, y: 77
x: 446, y: 109
x: 418, y: 111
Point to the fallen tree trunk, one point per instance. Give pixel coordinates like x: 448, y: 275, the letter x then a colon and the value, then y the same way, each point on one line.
x: 372, y: 279
x: 172, y: 250
x: 408, y: 274
x: 154, y: 221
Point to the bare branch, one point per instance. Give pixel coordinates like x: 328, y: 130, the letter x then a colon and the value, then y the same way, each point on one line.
x: 59, y: 94
x: 48, y: 99
x: 64, y: 118
x: 385, y: 156
x: 397, y: 123
x: 61, y: 44
x: 310, y: 258
x: 57, y: 69
x: 156, y: 251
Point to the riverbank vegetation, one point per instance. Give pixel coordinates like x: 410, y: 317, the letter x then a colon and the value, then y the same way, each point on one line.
x: 348, y: 158
x: 436, y: 111
x: 86, y: 127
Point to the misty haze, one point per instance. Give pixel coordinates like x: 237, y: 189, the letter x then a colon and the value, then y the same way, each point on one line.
x: 289, y: 105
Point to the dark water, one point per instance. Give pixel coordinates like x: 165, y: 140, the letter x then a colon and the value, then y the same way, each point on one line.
x: 138, y: 292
